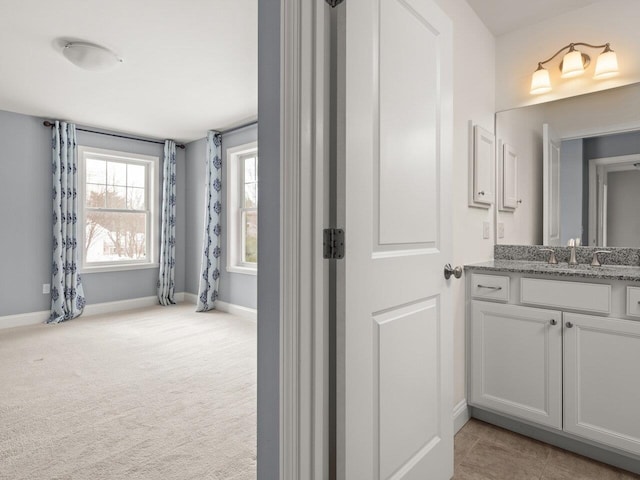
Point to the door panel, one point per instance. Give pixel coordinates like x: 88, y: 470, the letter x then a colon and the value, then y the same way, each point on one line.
x: 406, y: 361
x: 408, y: 176
x: 394, y: 306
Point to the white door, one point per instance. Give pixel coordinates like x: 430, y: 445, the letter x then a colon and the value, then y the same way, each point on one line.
x: 516, y: 361
x: 394, y: 378
x: 601, y: 387
x: 550, y: 186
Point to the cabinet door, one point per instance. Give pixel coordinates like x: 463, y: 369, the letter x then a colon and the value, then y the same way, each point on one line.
x: 602, y: 380
x: 484, y: 155
x: 516, y: 361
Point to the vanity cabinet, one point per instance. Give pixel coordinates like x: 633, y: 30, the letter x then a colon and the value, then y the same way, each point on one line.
x: 576, y: 373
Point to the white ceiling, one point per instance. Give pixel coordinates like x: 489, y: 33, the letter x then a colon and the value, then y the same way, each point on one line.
x: 504, y: 16
x: 189, y: 65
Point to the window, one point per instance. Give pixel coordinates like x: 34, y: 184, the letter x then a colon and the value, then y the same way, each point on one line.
x: 117, y: 204
x: 242, y: 201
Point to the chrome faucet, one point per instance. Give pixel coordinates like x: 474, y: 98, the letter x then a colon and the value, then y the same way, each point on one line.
x: 572, y: 246
x: 552, y: 257
x: 595, y: 262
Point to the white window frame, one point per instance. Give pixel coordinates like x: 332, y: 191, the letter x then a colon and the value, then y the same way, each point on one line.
x: 235, y: 182
x: 151, y: 189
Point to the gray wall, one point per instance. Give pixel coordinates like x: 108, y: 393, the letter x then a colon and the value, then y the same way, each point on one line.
x: 269, y: 235
x: 25, y: 213
x: 611, y: 146
x: 25, y: 216
x: 194, y: 199
x: 571, y: 190
x: 236, y: 288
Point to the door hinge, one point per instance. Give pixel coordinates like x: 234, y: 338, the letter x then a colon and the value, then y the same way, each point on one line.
x: 333, y: 243
x: 334, y: 3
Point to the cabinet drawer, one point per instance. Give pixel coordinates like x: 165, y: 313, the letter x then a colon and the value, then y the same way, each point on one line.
x: 633, y: 301
x: 588, y: 297
x: 490, y: 287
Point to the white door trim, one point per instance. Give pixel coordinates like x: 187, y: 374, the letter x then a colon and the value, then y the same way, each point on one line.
x: 597, y: 204
x: 304, y: 146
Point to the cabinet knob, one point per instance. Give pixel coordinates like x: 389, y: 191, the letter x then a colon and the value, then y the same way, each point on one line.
x: 553, y: 321
x: 569, y: 325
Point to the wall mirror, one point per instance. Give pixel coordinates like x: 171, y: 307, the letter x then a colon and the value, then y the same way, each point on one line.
x: 578, y: 170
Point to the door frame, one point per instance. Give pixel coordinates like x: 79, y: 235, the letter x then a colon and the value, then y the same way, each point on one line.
x: 304, y: 288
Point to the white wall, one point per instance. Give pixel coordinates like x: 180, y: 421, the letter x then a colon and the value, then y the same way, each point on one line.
x: 518, y: 52
x: 473, y: 100
x: 523, y: 131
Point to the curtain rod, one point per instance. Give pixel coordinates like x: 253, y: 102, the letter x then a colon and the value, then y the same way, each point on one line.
x: 47, y: 123
x: 239, y: 127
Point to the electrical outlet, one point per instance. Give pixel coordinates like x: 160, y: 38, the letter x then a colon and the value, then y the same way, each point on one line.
x: 500, y: 230
x: 46, y: 288
x: 486, y: 226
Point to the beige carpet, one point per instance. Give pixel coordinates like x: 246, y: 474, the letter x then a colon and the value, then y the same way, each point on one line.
x: 159, y: 393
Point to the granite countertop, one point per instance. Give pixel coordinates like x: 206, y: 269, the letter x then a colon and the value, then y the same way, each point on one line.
x: 610, y: 272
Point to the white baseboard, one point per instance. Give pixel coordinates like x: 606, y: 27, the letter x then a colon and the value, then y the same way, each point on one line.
x: 119, y: 306
x: 231, y: 308
x: 461, y: 415
x: 23, y: 319
x: 34, y: 318
x: 238, y: 310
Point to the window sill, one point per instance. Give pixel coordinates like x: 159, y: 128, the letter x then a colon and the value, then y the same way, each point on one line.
x: 243, y: 270
x: 118, y: 268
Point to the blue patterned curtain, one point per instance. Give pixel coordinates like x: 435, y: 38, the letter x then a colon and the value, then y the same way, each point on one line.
x: 67, y: 295
x: 210, y: 267
x: 166, y: 283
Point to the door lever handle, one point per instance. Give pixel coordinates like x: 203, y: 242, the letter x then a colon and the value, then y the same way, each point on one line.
x: 449, y: 270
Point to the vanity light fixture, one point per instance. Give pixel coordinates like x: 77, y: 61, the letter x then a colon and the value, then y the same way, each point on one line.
x: 89, y: 56
x: 573, y: 64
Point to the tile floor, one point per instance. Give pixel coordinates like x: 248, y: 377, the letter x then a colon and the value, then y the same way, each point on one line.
x: 486, y: 452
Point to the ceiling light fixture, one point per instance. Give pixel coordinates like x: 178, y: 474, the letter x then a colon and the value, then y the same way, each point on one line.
x: 90, y: 57
x: 574, y: 64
